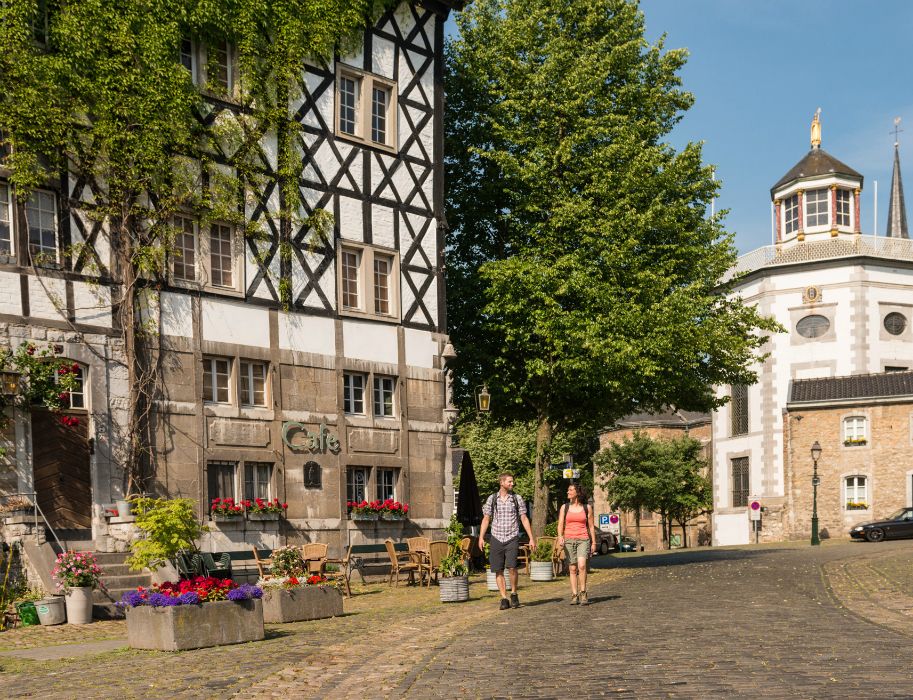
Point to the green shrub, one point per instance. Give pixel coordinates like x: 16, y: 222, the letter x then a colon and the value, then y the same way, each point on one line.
x: 551, y: 530
x: 170, y: 525
x: 543, y: 551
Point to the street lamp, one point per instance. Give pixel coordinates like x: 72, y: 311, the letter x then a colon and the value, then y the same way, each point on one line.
x: 483, y: 405
x: 9, y: 382
x: 816, y: 455
x: 483, y: 399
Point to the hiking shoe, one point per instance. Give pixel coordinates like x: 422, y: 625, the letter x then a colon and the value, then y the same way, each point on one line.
x: 583, y: 598
x: 575, y: 600
x: 505, y: 604
x: 514, y: 600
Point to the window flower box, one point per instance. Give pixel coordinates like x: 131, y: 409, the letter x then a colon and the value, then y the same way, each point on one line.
x: 857, y: 505
x: 378, y: 510
x: 854, y: 442
x: 365, y: 517
x: 259, y: 509
x: 288, y: 600
x: 263, y: 516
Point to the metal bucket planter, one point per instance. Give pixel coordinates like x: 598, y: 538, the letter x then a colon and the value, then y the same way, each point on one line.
x: 491, y: 579
x: 124, y: 508
x: 262, y: 516
x: 541, y: 571
x: 52, y: 611
x: 297, y: 604
x: 79, y: 605
x: 454, y: 589
x: 195, y: 626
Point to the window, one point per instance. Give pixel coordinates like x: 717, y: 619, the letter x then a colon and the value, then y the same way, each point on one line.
x: 740, y: 485
x: 816, y: 208
x: 356, y: 484
x: 6, y: 220
x: 368, y: 281
x: 350, y: 265
x: 383, y: 396
x: 77, y: 397
x: 188, y: 57
x: 813, y: 326
x: 843, y: 207
x: 41, y: 212
x: 219, y: 67
x: 252, y: 383
x: 856, y: 496
x: 40, y: 23
x: 221, y: 260
x: 739, y: 409
x: 383, y: 266
x: 791, y: 214
x: 257, y: 479
x: 895, y: 323
x: 353, y: 393
x: 895, y: 368
x: 356, y: 91
x: 312, y: 475
x: 854, y: 431
x: 216, y: 374
x: 184, y: 258
x: 386, y: 484
x: 220, y: 476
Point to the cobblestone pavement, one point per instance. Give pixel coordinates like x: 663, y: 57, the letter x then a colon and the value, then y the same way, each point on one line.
x: 777, y: 621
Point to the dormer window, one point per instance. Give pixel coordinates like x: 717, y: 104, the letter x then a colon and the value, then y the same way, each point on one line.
x: 844, y: 197
x: 816, y: 208
x: 791, y: 214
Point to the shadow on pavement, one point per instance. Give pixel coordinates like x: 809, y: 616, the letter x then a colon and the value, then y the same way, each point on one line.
x: 544, y: 601
x: 603, y: 599
x: 679, y: 557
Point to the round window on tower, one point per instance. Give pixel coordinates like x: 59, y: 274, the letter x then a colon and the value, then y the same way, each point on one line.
x: 813, y: 326
x: 895, y: 323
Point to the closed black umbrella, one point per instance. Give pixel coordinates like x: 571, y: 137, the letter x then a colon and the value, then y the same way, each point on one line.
x: 469, y: 505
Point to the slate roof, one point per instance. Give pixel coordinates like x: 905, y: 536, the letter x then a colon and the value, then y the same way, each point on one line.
x: 857, y: 386
x: 816, y: 162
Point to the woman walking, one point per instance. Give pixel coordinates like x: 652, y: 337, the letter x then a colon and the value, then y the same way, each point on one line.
x: 577, y: 534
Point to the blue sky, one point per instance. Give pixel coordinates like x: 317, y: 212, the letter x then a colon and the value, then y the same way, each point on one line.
x: 758, y: 70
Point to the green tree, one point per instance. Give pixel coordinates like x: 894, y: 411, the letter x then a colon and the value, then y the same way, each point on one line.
x: 170, y: 526
x: 585, y: 275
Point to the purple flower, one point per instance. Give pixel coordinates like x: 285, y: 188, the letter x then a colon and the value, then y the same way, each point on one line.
x: 245, y: 592
x: 162, y: 600
x: 189, y: 598
x: 131, y: 599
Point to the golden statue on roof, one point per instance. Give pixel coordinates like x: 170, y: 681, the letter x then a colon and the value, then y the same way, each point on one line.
x: 816, y: 129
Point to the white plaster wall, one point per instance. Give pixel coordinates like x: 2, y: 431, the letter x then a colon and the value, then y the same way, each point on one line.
x: 730, y: 528
x: 307, y: 333
x: 421, y: 348
x: 382, y: 57
x: 233, y: 322
x: 46, y: 294
x: 92, y: 304
x: 382, y: 226
x: 375, y: 342
x: 10, y: 294
x: 351, y: 219
x: 176, y: 315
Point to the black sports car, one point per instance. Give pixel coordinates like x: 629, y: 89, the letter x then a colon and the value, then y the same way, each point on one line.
x: 897, y: 525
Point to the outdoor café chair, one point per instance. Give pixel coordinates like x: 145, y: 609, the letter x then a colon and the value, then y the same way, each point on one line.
x: 264, y: 564
x: 343, y: 572
x: 315, y: 557
x: 402, y: 563
x: 218, y: 567
x: 436, y: 552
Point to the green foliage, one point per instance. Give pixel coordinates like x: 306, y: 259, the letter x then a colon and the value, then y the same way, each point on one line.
x: 551, y: 530
x: 170, y: 526
x: 45, y: 378
x: 287, y: 561
x: 453, y: 564
x: 663, y: 476
x: 584, y: 273
x: 543, y: 551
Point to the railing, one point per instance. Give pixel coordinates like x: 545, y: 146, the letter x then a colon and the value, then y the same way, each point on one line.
x: 37, y: 512
x: 843, y: 247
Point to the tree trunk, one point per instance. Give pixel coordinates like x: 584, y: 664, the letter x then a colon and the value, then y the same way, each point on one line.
x: 684, y: 534
x: 637, y: 527
x: 540, y: 488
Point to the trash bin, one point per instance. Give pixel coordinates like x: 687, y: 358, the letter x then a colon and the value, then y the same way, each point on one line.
x: 28, y: 616
x: 52, y: 611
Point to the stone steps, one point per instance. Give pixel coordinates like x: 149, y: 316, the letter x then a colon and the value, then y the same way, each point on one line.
x: 116, y: 580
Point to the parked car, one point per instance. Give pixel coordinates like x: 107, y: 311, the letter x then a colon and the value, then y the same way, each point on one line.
x: 605, y: 542
x: 895, y: 526
x: 627, y: 544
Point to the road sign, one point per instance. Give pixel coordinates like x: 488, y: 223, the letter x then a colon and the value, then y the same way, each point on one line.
x: 560, y: 466
x: 604, y: 524
x: 754, y: 509
x: 571, y: 473
x: 614, y: 524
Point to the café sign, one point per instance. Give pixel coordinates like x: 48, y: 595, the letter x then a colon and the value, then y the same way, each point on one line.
x: 321, y: 441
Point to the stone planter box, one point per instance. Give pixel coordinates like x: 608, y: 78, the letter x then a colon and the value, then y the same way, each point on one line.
x: 195, y: 626
x: 389, y: 516
x: 297, y: 604
x: 364, y: 517
x: 263, y: 516
x: 228, y: 519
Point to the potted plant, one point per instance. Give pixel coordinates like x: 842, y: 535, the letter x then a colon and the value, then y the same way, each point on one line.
x: 540, y: 566
x: 77, y: 573
x: 393, y: 510
x: 364, y: 510
x: 454, y: 580
x: 294, y: 599
x: 226, y: 510
x: 287, y: 561
x: 259, y: 509
x: 192, y: 614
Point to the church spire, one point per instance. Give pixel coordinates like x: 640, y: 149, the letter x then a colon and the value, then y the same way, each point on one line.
x: 897, y: 210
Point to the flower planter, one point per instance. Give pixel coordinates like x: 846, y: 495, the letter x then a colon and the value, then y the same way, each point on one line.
x: 180, y: 627
x: 263, y: 516
x: 454, y: 589
x: 364, y: 517
x: 297, y: 604
x: 52, y: 611
x: 491, y: 579
x: 391, y: 516
x: 216, y: 518
x: 79, y: 605
x: 124, y: 508
x: 541, y: 571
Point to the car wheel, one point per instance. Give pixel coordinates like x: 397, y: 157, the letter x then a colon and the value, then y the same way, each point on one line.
x: 603, y: 547
x: 875, y: 535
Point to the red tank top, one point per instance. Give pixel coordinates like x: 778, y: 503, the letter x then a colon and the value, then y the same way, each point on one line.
x: 575, y: 525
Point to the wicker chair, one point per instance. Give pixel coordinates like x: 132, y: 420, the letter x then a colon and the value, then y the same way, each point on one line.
x: 402, y: 563
x: 315, y: 557
x: 264, y: 564
x: 437, y: 550
x: 343, y: 571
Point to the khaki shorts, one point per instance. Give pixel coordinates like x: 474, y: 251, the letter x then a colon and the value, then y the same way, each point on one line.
x: 576, y: 549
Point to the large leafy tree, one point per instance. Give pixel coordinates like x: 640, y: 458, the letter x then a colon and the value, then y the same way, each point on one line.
x: 584, y: 271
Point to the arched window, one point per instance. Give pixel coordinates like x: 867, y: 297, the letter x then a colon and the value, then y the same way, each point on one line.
x: 856, y: 495
x: 854, y: 431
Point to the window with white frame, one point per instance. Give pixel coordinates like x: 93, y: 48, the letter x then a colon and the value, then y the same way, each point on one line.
x: 816, y: 209
x: 854, y: 430
x: 6, y: 219
x: 844, y: 197
x: 356, y: 484
x: 791, y: 214
x: 221, y: 476
x: 184, y: 256
x: 384, y: 388
x: 353, y: 393
x: 220, y: 70
x: 252, y: 383
x: 216, y: 380
x: 188, y: 56
x: 856, y: 492
x: 368, y: 281
x: 365, y: 107
x: 76, y: 397
x: 41, y: 212
x: 258, y: 477
x: 386, y: 483
x: 221, y: 256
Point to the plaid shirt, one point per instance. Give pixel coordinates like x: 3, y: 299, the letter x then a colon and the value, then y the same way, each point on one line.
x: 505, y: 525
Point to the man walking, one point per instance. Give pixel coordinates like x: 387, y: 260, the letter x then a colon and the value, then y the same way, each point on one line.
x: 505, y: 510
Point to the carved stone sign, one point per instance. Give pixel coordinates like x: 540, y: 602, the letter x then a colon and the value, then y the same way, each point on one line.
x: 238, y: 433
x: 321, y: 441
x: 367, y: 440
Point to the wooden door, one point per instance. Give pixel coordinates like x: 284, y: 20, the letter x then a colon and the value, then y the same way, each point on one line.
x: 62, y: 470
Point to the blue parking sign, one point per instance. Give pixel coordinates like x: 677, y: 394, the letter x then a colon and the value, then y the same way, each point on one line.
x: 603, y: 518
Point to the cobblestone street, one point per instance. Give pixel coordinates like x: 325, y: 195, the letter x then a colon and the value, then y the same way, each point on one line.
x: 776, y: 620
